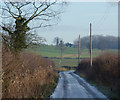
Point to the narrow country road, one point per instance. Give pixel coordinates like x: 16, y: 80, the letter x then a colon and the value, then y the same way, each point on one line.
x: 71, y: 85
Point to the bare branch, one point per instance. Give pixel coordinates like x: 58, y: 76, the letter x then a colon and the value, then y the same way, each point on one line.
x: 17, y: 7
x: 35, y: 15
x: 5, y: 39
x: 27, y: 3
x: 9, y: 11
x: 40, y: 26
x: 5, y: 16
x: 45, y: 19
x: 6, y: 29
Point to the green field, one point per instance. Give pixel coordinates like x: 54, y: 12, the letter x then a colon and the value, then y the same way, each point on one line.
x: 65, y: 62
x: 52, y: 51
x: 68, y: 52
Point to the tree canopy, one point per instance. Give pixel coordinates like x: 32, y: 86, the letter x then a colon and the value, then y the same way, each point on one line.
x: 20, y: 16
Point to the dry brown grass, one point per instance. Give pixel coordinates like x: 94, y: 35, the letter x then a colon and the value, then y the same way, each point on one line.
x: 58, y: 69
x: 30, y: 76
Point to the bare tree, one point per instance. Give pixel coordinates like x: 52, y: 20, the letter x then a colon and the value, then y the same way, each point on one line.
x: 20, y: 16
x: 61, y: 46
x: 34, y: 39
x: 57, y: 40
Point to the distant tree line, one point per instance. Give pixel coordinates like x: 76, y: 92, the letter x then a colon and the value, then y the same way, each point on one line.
x: 58, y: 41
x: 98, y: 42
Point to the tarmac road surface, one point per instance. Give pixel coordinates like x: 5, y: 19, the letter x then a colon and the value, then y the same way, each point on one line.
x: 71, y: 85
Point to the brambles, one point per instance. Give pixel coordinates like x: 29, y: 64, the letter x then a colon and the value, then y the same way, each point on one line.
x: 30, y: 76
x: 105, y: 70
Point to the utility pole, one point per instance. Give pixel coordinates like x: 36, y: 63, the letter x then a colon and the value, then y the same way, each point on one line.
x: 91, y: 44
x: 79, y: 51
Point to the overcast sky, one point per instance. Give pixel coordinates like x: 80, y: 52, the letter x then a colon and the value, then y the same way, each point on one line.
x: 77, y: 17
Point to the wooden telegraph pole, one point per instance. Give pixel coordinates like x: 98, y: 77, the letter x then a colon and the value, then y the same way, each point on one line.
x: 91, y: 44
x: 79, y: 51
